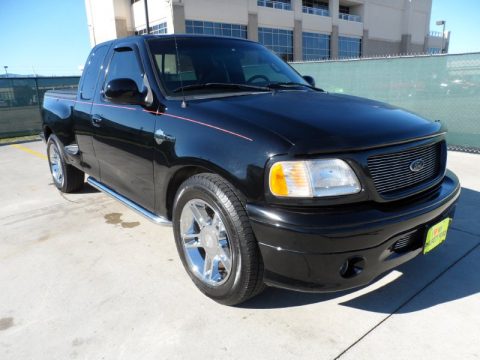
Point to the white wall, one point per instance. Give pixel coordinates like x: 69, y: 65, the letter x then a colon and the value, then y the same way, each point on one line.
x: 123, y: 10
x: 315, y: 23
x: 386, y: 20
x: 275, y: 18
x: 350, y: 28
x: 158, y: 11
x: 101, y: 20
x: 436, y: 42
x: 390, y: 19
x: 229, y: 11
x: 418, y: 28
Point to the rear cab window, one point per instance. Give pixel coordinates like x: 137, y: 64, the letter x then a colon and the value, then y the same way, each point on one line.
x: 91, y: 72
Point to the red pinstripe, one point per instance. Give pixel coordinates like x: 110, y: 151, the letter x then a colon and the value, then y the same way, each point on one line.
x: 200, y: 123
x: 160, y: 113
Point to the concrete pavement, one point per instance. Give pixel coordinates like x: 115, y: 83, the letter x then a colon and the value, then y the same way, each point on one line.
x: 83, y: 277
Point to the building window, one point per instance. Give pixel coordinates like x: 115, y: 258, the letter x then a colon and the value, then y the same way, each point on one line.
x: 344, y: 14
x: 344, y: 9
x: 349, y: 17
x: 280, y: 41
x: 157, y: 29
x: 275, y: 4
x: 316, y: 46
x: 436, y: 34
x: 349, y: 47
x: 315, y: 7
x: 434, y: 50
x: 214, y: 28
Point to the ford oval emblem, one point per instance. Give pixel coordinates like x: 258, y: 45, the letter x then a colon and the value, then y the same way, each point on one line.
x: 417, y: 165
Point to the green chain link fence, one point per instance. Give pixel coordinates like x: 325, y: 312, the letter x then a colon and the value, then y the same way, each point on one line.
x: 439, y: 87
x: 21, y: 101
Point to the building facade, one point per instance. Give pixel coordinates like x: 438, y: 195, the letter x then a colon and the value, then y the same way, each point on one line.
x: 295, y: 29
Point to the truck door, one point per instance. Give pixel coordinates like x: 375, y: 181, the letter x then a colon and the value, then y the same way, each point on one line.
x: 123, y: 141
x: 83, y: 126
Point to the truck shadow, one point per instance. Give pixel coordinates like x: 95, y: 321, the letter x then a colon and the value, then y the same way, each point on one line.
x: 87, y: 189
x: 447, y: 274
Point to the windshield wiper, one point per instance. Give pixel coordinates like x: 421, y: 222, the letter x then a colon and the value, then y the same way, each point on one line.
x: 290, y: 84
x: 228, y: 86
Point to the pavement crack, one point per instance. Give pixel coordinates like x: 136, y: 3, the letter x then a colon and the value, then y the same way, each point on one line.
x: 475, y: 247
x: 66, y: 198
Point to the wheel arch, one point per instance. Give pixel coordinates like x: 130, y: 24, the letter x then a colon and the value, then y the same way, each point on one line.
x: 183, y: 173
x: 47, y: 131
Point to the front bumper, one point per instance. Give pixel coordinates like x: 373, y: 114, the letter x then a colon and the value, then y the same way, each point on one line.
x: 341, y: 247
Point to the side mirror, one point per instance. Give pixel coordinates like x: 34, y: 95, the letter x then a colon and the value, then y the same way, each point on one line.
x: 310, y: 80
x: 123, y: 91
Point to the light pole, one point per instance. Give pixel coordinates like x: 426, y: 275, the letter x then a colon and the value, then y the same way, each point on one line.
x: 442, y: 22
x: 6, y: 72
x: 146, y: 16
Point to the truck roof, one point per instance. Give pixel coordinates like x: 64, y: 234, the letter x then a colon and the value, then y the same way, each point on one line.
x: 138, y: 38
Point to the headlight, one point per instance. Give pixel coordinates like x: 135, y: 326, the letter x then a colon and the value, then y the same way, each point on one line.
x: 313, y: 178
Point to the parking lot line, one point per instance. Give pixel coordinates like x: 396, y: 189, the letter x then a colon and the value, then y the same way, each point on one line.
x: 30, y: 151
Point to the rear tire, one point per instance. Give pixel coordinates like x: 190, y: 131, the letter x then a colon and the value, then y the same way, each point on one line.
x: 66, y: 178
x: 215, y: 240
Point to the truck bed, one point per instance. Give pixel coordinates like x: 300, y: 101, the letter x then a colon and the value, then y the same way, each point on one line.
x: 70, y: 94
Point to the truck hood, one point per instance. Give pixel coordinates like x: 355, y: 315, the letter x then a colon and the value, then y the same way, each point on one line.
x: 317, y: 122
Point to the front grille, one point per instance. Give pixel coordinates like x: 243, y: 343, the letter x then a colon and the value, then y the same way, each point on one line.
x: 392, y: 172
x: 407, y: 242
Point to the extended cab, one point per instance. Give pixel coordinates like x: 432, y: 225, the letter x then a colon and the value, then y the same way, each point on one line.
x: 265, y: 178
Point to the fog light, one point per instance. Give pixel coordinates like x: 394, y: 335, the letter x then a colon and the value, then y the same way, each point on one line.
x: 352, y: 267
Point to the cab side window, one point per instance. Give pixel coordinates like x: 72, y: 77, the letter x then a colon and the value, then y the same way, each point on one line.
x: 124, y: 64
x: 91, y: 72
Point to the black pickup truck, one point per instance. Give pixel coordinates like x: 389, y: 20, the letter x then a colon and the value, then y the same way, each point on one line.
x: 266, y: 178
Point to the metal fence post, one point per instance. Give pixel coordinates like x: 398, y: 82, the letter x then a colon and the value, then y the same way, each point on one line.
x: 38, y: 96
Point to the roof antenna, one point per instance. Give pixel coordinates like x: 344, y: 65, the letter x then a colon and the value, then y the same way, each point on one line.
x: 184, y: 103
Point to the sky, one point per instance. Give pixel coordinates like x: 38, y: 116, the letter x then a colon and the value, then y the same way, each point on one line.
x: 50, y: 37
x: 462, y: 19
x: 47, y: 37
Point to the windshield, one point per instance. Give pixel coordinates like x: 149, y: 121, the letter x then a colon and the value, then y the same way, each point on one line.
x: 223, y: 64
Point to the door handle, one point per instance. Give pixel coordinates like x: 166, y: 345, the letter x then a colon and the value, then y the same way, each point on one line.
x: 160, y: 137
x: 96, y: 120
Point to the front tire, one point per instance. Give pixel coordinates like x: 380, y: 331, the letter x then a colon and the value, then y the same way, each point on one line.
x: 66, y: 178
x: 215, y: 240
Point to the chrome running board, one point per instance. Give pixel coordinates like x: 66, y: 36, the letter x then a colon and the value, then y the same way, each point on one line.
x: 129, y: 203
x: 72, y: 149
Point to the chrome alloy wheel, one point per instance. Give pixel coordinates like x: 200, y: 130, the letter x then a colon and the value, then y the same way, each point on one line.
x: 205, y: 243
x: 56, y: 164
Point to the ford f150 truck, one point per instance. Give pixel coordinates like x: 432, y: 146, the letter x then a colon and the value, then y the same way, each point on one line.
x: 266, y: 179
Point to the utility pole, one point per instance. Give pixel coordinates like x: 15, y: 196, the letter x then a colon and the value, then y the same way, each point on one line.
x: 146, y: 16
x: 442, y: 22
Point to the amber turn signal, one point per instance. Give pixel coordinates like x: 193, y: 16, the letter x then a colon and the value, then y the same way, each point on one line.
x: 278, y: 183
